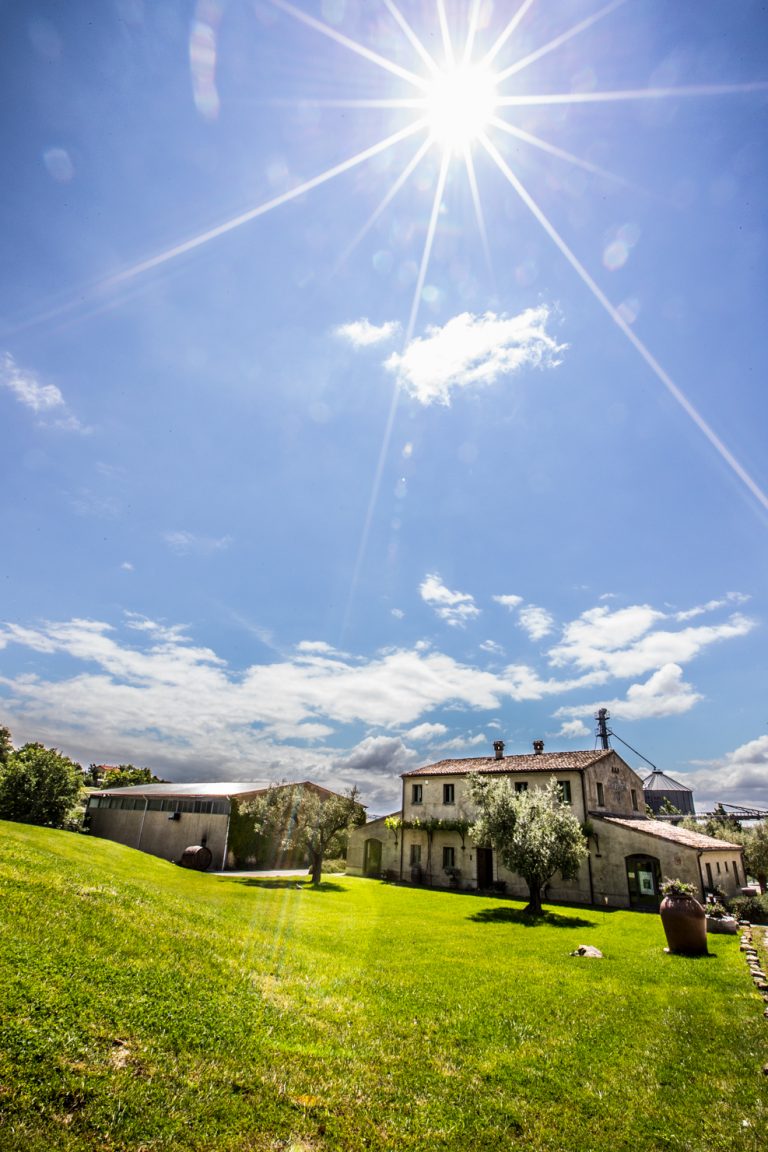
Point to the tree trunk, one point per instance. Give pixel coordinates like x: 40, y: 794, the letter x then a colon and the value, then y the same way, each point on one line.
x: 317, y: 867
x: 534, y: 898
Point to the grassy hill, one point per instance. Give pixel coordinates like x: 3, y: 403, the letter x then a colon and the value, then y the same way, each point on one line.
x: 144, y: 1008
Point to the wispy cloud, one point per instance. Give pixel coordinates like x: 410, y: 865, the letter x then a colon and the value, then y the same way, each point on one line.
x: 45, y: 400
x: 456, y: 608
x: 189, y: 543
x: 363, y: 334
x: 473, y: 351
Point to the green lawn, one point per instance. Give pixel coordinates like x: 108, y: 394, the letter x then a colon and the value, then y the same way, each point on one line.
x: 144, y: 1007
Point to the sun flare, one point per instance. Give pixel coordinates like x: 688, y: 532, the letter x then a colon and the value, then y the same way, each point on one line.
x: 460, y: 103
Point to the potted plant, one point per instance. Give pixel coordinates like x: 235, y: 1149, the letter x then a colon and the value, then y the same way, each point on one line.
x: 719, y: 919
x: 683, y: 918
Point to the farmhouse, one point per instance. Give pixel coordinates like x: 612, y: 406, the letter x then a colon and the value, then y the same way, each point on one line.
x: 428, y: 840
x: 167, y: 819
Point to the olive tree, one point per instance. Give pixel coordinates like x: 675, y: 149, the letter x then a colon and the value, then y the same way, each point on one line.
x: 38, y: 786
x: 534, y: 832
x: 300, y: 818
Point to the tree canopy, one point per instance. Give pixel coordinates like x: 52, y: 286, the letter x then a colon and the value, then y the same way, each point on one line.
x: 534, y: 832
x: 38, y: 785
x: 301, y: 818
x: 118, y: 776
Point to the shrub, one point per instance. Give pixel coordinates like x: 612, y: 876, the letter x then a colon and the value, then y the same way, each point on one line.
x: 752, y: 908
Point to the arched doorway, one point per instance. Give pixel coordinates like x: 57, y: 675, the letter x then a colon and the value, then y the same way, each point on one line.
x: 643, y: 881
x: 372, y: 858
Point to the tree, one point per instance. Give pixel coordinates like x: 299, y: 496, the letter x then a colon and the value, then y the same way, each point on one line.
x: 38, y: 786
x: 120, y: 776
x: 297, y: 817
x: 723, y: 825
x: 534, y: 832
x: 756, y: 853
x: 6, y: 745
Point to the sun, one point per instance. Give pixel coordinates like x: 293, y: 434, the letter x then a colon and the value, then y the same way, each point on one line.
x: 460, y: 103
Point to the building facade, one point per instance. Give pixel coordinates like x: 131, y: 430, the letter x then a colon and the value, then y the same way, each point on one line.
x: 167, y: 819
x: 429, y: 841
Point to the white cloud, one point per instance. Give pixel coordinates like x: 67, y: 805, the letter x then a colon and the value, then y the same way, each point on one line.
x: 188, y: 543
x: 573, y: 729
x: 456, y: 608
x: 42, y: 399
x: 460, y: 743
x: 426, y: 731
x: 397, y: 613
x: 493, y: 647
x: 665, y: 693
x: 537, y: 622
x: 473, y: 351
x: 740, y: 773
x: 27, y: 390
x: 626, y: 643
x: 363, y: 334
x: 146, y: 693
x: 510, y: 601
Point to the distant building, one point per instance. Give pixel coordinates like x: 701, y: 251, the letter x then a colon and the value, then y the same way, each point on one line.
x: 166, y: 819
x: 658, y: 787
x: 428, y: 840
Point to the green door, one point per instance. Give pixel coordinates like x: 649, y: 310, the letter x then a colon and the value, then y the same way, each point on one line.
x: 372, y: 858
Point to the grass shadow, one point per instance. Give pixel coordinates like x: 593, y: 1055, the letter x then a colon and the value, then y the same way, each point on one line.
x: 519, y: 916
x: 276, y: 882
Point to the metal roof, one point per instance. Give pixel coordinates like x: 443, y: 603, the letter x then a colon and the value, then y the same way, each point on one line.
x: 221, y: 788
x: 530, y: 762
x: 659, y: 782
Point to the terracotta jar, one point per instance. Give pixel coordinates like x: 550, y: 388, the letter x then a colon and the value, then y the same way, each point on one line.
x: 685, y: 924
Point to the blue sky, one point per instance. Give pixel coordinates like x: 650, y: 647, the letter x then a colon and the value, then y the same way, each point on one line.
x: 381, y: 379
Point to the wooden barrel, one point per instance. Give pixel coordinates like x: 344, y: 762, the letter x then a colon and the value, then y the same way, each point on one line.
x: 197, y: 856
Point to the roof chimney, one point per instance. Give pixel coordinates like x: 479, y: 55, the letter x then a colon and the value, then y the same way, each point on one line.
x: 498, y: 747
x: 538, y: 747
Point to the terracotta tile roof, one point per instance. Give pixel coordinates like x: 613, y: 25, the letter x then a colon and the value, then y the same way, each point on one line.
x: 530, y: 762
x: 667, y: 831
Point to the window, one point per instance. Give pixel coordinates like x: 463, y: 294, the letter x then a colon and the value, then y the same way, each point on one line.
x: 415, y: 854
x: 565, y: 791
x: 634, y: 799
x: 718, y: 867
x: 735, y: 871
x: 521, y: 785
x: 725, y: 863
x: 417, y: 793
x: 600, y: 795
x: 449, y: 792
x: 449, y: 854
